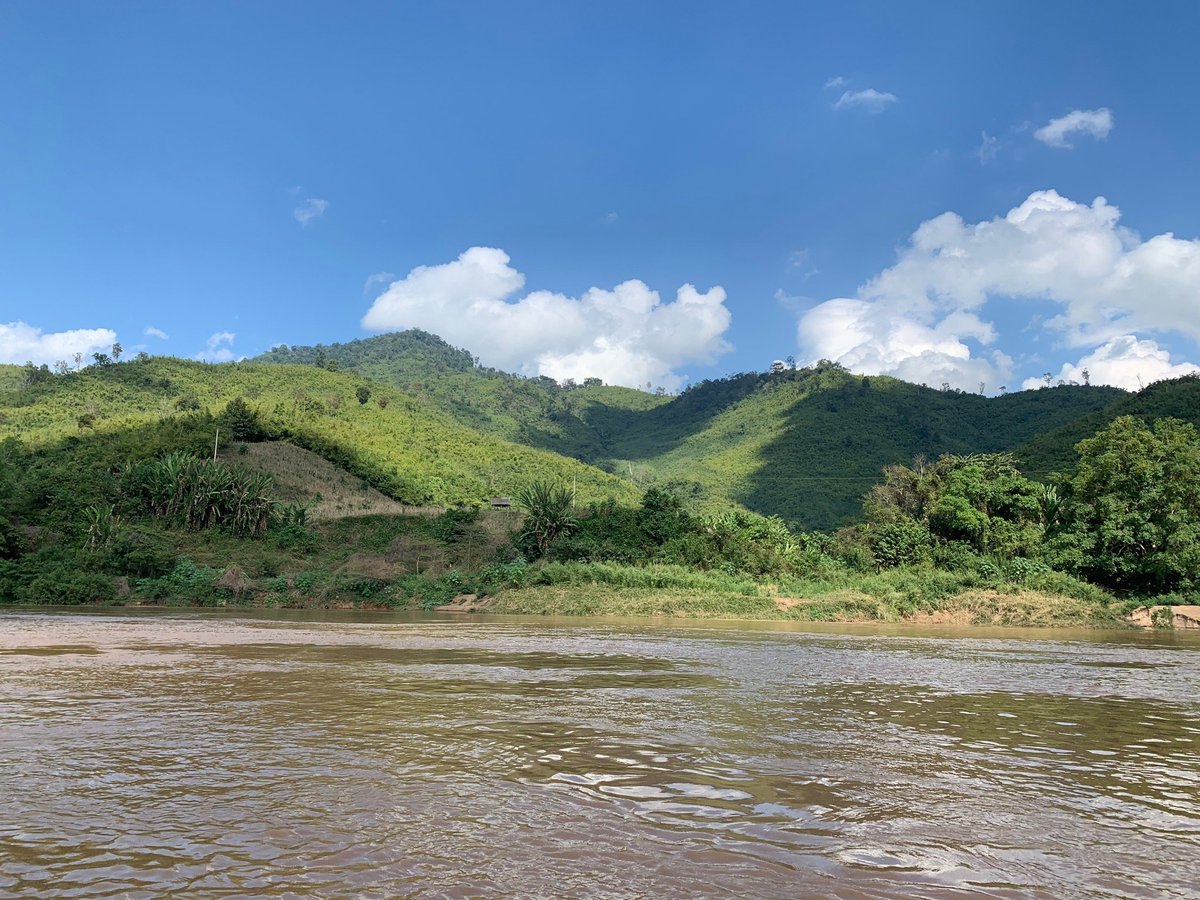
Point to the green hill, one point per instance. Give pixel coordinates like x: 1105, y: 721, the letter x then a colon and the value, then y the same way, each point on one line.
x: 802, y: 444
x: 537, y: 412
x: 1053, y: 450
x: 402, y: 444
x: 807, y: 444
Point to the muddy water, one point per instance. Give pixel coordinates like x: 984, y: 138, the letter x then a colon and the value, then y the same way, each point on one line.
x: 149, y: 754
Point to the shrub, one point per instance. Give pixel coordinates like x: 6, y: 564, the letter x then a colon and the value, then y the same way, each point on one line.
x: 903, y: 542
x: 68, y: 586
x: 186, y: 583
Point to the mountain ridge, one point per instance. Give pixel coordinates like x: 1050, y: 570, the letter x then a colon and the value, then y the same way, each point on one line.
x: 804, y: 444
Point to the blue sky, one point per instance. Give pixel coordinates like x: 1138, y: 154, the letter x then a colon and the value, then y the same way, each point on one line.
x: 237, y: 175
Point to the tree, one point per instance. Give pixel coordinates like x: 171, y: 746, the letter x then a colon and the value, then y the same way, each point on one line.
x: 548, y: 512
x: 662, y: 516
x: 36, y: 374
x: 982, y: 500
x: 985, y: 500
x: 240, y: 421
x: 1135, y: 505
x: 363, y: 393
x: 117, y: 350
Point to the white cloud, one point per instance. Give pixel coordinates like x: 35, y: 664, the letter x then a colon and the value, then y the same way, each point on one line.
x: 835, y: 81
x: 21, y: 343
x: 376, y: 281
x: 218, y: 348
x: 798, y: 259
x: 1096, y: 123
x: 988, y: 149
x: 626, y: 335
x: 610, y: 218
x: 879, y: 338
x: 151, y: 331
x: 1104, y: 279
x: 1124, y: 362
x: 312, y: 208
x: 802, y: 260
x: 870, y: 100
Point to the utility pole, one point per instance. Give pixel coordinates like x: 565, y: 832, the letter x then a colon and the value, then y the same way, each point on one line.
x: 573, y: 491
x: 216, y: 437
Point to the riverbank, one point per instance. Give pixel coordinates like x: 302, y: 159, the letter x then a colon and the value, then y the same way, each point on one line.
x: 983, y: 608
x: 974, y: 607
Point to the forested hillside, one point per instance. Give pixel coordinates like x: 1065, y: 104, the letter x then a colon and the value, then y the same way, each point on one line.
x: 109, y: 489
x: 804, y: 444
x: 1054, y: 450
x: 403, y: 445
x: 537, y: 412
x: 807, y: 444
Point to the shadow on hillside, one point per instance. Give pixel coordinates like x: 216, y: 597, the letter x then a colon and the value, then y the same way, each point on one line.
x: 836, y: 443
x: 642, y: 434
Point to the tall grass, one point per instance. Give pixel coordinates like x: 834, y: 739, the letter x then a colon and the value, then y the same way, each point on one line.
x: 202, y: 493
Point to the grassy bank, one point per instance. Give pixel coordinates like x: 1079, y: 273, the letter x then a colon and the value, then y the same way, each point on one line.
x: 1015, y: 607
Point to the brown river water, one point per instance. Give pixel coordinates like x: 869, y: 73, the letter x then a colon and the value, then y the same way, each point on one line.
x: 193, y: 754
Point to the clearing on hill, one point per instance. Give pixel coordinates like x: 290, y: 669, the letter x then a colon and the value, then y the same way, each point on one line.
x: 303, y: 477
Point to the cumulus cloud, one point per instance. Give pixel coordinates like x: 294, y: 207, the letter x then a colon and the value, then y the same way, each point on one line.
x: 1096, y: 123
x: 1124, y: 362
x: 627, y: 335
x: 153, y: 332
x: 880, y: 338
x: 871, y: 100
x: 835, y: 81
x: 218, y: 348
x: 918, y: 314
x: 21, y: 343
x: 311, y: 208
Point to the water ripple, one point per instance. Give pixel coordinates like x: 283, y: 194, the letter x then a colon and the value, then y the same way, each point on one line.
x: 193, y: 754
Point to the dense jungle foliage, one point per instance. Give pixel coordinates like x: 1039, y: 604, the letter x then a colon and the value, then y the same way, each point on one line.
x: 109, y: 490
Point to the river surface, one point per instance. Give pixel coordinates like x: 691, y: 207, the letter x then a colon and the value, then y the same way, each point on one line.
x: 197, y: 754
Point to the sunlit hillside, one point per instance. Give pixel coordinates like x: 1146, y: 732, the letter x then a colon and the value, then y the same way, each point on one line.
x: 402, y: 444
x: 803, y: 444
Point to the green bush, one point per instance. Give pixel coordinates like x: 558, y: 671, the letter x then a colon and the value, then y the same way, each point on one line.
x: 900, y: 543
x: 68, y: 587
x: 186, y: 583
x: 295, y: 538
